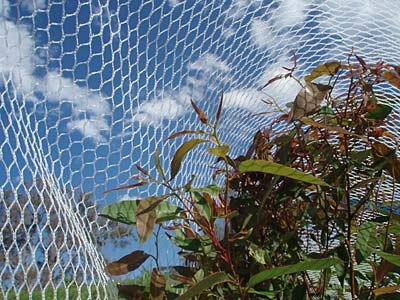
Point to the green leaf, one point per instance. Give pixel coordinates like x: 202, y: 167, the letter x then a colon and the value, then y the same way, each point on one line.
x: 180, y: 154
x: 329, y: 69
x: 312, y: 264
x: 125, y: 211
x: 392, y: 258
x: 211, y: 189
x: 220, y: 151
x: 257, y: 253
x: 203, y: 285
x: 202, y: 205
x: 367, y: 238
x: 127, y: 264
x: 254, y: 165
x: 158, y: 165
x: 380, y: 112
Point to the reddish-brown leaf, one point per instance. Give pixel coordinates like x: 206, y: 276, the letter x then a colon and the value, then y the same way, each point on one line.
x: 202, y: 117
x: 157, y: 285
x: 127, y: 264
x: 126, y: 187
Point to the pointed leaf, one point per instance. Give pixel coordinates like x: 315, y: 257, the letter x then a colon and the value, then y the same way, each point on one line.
x: 392, y: 77
x: 329, y: 69
x: 180, y: 154
x: 270, y: 167
x: 387, y: 290
x: 146, y: 218
x: 308, y: 100
x: 219, y: 110
x: 127, y: 264
x: 203, y: 285
x: 202, y: 117
x: 392, y: 258
x: 158, y: 165
x: 367, y: 237
x: 184, y: 132
x: 157, y: 285
x: 127, y: 187
x: 313, y: 264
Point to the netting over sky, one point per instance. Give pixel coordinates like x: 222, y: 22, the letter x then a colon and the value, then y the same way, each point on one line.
x: 90, y: 88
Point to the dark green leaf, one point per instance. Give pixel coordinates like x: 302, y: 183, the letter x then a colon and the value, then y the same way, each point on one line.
x: 380, y: 112
x: 280, y: 170
x: 392, y: 258
x: 367, y: 238
x: 125, y: 211
x: 314, y: 264
x: 203, y: 285
x: 180, y: 154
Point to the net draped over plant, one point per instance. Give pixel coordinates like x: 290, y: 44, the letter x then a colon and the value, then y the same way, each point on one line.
x: 91, y: 89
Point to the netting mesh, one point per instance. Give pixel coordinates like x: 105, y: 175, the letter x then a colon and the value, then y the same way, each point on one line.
x: 89, y: 89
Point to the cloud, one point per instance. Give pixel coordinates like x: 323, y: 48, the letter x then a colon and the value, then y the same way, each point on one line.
x: 17, y: 64
x: 203, y: 74
x: 248, y: 99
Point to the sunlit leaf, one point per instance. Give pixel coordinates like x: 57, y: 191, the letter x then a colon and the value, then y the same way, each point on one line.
x: 308, y: 100
x: 125, y: 211
x: 270, y: 167
x: 386, y: 290
x: 392, y: 77
x: 180, y: 154
x: 202, y: 205
x: 203, y: 285
x: 146, y: 217
x: 220, y: 151
x: 392, y: 258
x: 184, y: 132
x: 127, y: 264
x: 380, y: 112
x: 157, y: 285
x: 329, y: 69
x: 201, y: 115
x: 211, y: 189
x: 158, y: 164
x: 313, y: 264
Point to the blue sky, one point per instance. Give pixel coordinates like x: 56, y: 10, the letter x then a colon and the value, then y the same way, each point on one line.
x: 91, y: 88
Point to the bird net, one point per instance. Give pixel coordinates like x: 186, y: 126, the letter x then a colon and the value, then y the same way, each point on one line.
x: 89, y: 89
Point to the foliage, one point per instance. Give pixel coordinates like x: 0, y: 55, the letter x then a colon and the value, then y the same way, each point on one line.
x: 301, y: 209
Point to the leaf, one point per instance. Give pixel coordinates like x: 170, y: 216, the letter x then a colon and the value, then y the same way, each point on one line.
x: 203, y: 285
x: 326, y: 126
x: 220, y: 151
x: 219, y: 110
x: 126, y: 187
x: 270, y: 167
x: 392, y: 258
x: 125, y: 211
x: 329, y: 69
x: 157, y: 285
x: 385, y: 157
x: 386, y: 290
x: 380, y: 112
x: 130, y: 291
x: 312, y: 264
x: 367, y: 238
x: 308, y: 100
x: 202, y: 205
x: 158, y: 165
x: 211, y: 189
x: 127, y: 264
x: 184, y: 132
x: 392, y: 77
x: 146, y: 217
x: 180, y: 154
x: 202, y: 117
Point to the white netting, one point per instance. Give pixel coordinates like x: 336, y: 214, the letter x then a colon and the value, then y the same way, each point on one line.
x: 90, y: 88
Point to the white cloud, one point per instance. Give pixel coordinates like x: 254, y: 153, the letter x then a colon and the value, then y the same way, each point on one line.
x: 289, y: 13
x: 205, y: 73
x: 17, y: 63
x: 248, y: 99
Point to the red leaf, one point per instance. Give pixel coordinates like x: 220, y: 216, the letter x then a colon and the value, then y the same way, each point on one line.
x: 127, y: 264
